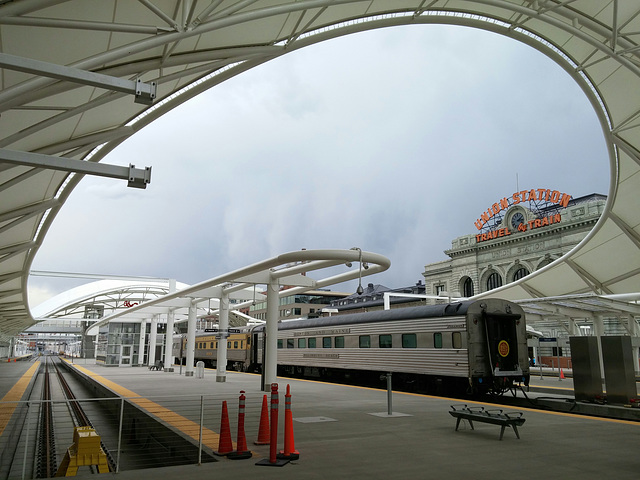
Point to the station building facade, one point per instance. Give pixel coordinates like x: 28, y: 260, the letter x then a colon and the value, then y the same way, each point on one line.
x: 515, y: 236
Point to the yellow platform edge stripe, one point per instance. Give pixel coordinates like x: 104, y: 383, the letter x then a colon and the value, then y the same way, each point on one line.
x: 15, y: 395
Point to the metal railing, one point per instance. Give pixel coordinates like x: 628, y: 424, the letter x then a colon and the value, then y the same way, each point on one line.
x: 138, y: 432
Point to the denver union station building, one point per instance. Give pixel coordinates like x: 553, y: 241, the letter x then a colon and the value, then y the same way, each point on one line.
x: 514, y: 237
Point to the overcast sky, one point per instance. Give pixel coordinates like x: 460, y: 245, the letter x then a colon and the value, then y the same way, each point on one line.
x: 394, y: 141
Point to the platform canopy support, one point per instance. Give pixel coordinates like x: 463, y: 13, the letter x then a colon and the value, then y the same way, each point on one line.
x: 153, y: 336
x: 290, y: 269
x: 191, y: 342
x: 271, y: 338
x: 141, y: 343
x: 168, y: 342
x: 223, y: 334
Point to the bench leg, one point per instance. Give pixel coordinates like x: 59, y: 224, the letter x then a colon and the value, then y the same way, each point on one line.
x: 468, y: 420
x: 515, y: 429
x: 502, y: 431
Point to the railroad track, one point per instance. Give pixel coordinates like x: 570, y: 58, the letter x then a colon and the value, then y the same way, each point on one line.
x: 46, y: 465
x: 46, y: 462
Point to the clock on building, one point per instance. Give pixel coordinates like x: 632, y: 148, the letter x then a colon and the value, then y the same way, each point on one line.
x: 516, y: 220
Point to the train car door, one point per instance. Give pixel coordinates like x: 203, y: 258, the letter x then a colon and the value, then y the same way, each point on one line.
x: 502, y: 342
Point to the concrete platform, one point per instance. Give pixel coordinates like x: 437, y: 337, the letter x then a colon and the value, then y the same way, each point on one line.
x: 345, y: 432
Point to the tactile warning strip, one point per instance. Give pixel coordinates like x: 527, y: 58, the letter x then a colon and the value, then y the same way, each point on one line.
x: 13, y: 396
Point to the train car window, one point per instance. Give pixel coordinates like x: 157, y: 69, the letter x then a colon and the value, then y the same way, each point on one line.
x: 364, y: 341
x: 339, y: 342
x: 228, y: 344
x: 409, y: 340
x: 385, y: 341
x: 302, y: 343
x: 437, y: 340
x: 235, y: 344
x: 456, y: 339
x: 312, y: 342
x: 289, y: 342
x: 280, y: 344
x: 248, y: 341
x: 216, y: 345
x: 211, y: 345
x: 326, y: 342
x: 241, y: 343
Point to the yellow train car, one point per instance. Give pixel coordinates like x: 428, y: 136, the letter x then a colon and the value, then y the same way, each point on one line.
x: 206, y: 349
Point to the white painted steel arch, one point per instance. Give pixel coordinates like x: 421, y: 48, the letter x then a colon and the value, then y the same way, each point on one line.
x: 185, y: 47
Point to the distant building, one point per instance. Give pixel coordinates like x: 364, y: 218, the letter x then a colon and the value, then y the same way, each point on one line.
x: 307, y: 304
x: 373, y: 299
x: 514, y: 237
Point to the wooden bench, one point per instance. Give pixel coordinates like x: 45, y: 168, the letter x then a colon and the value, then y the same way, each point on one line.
x: 495, y: 417
x: 159, y: 365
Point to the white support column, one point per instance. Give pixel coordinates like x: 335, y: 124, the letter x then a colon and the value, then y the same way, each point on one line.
x: 153, y: 337
x: 168, y: 340
x: 598, y: 326
x: 191, y: 342
x: 271, y: 329
x: 574, y: 330
x: 168, y: 343
x: 143, y: 327
x: 634, y: 331
x: 223, y: 334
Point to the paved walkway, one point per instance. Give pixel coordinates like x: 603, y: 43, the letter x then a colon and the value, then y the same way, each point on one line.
x: 345, y: 432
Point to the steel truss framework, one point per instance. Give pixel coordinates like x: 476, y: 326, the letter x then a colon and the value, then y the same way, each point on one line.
x: 67, y: 69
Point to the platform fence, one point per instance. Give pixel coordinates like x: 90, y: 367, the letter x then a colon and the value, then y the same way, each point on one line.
x: 136, y: 432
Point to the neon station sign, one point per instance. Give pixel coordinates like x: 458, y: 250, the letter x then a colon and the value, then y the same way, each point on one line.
x: 544, y: 203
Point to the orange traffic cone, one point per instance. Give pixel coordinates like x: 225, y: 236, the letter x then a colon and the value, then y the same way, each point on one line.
x: 289, y: 452
x: 242, y: 452
x: 225, y: 445
x: 561, y: 374
x: 264, y: 432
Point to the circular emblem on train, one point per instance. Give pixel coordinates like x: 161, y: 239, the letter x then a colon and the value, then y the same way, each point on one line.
x: 503, y: 348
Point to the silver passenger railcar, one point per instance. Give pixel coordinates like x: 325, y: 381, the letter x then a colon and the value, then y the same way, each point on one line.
x: 476, y: 345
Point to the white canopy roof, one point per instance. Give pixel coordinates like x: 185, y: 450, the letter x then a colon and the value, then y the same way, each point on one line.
x: 71, y: 70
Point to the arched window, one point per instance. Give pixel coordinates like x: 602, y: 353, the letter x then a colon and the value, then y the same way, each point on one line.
x: 545, y: 262
x: 494, y: 281
x: 467, y: 288
x: 521, y: 272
